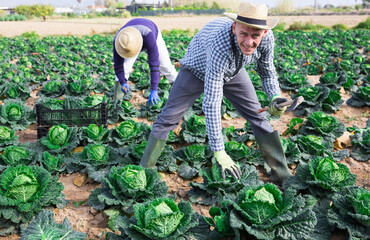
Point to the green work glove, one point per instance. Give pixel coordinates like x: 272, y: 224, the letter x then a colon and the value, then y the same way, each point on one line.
x: 226, y: 164
x: 273, y: 108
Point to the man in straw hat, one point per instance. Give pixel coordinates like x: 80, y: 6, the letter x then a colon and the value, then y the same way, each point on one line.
x: 214, y: 64
x: 138, y: 35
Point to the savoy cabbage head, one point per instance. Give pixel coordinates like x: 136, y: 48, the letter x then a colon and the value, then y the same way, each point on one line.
x: 360, y: 98
x: 60, y: 138
x: 194, y: 130
x: 241, y: 153
x: 361, y: 143
x: 162, y: 218
x: 25, y: 190
x: 123, y: 187
x: 16, y: 155
x: 51, y: 162
x: 192, y: 158
x: 324, y: 125
x: 52, y: 88
x: 266, y: 213
x: 129, y: 132
x: 322, y: 176
x: 333, y: 102
x: 128, y: 111
x: 16, y: 115
x: 94, y: 134
x: 313, y: 98
x: 350, y: 210
x: 95, y: 160
x: 7, y: 137
x: 13, y: 90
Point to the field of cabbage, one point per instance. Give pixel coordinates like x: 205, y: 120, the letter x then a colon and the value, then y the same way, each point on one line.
x: 90, y: 174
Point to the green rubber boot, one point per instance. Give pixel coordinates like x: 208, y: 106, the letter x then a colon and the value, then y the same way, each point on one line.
x: 118, y: 94
x: 153, y: 150
x: 273, y: 153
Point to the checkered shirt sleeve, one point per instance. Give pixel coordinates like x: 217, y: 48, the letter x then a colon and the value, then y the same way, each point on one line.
x: 265, y: 65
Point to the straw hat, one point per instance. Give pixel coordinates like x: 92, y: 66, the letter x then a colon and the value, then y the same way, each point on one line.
x: 128, y: 42
x: 253, y: 15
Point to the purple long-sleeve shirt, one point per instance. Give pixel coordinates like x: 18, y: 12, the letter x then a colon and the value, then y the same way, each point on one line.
x: 149, y: 31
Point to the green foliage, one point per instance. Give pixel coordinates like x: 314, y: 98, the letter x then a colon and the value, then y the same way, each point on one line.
x: 95, y: 160
x: 60, y: 138
x: 52, y: 163
x: 15, y: 17
x: 339, y: 26
x: 25, y: 191
x: 350, y: 211
x: 363, y: 25
x: 162, y: 218
x: 45, y: 227
x: 194, y: 130
x: 294, y: 125
x: 322, y: 176
x: 306, y: 26
x: 7, y: 137
x: 94, y: 134
x: 291, y: 150
x: 192, y: 158
x: 361, y: 143
x: 360, y: 98
x: 266, y: 213
x: 129, y: 131
x: 215, y: 189
x: 281, y: 26
x: 123, y: 187
x: 16, y: 115
x: 313, y: 98
x: 52, y: 89
x: 321, y: 124
x: 16, y: 155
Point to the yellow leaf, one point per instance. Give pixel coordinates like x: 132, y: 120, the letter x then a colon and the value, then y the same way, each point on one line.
x: 78, y: 149
x: 227, y: 116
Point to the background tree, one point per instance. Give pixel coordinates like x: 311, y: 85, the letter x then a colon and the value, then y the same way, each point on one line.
x: 37, y: 10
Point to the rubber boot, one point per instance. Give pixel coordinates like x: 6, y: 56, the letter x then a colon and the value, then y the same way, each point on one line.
x: 153, y: 150
x: 273, y: 153
x: 118, y: 94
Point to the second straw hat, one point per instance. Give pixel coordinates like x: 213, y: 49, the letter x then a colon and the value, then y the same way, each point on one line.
x: 128, y: 42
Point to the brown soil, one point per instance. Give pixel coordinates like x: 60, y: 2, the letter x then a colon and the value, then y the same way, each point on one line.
x: 84, y: 218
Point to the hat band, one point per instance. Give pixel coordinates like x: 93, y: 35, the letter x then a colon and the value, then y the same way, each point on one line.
x: 251, y: 20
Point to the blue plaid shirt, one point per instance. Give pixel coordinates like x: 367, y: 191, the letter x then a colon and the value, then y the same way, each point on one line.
x: 214, y: 57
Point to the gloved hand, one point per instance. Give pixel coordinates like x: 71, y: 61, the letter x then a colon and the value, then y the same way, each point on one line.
x: 153, y: 97
x: 125, y: 88
x: 273, y: 108
x: 226, y: 164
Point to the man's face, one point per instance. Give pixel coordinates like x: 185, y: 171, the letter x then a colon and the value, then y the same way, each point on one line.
x: 248, y: 38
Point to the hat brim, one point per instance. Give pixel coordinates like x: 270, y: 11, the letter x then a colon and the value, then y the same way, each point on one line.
x: 270, y: 24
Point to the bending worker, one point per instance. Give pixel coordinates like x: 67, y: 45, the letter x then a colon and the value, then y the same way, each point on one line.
x: 215, y: 65
x: 138, y: 35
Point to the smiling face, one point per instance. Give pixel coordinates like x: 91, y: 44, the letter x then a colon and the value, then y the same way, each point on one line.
x: 248, y: 38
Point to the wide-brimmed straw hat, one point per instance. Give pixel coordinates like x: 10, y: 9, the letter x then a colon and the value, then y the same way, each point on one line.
x: 253, y: 15
x: 128, y: 42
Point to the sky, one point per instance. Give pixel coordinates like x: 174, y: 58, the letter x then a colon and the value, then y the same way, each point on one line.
x: 71, y: 3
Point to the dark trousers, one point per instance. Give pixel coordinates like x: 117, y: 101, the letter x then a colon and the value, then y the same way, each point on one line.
x: 187, y: 88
